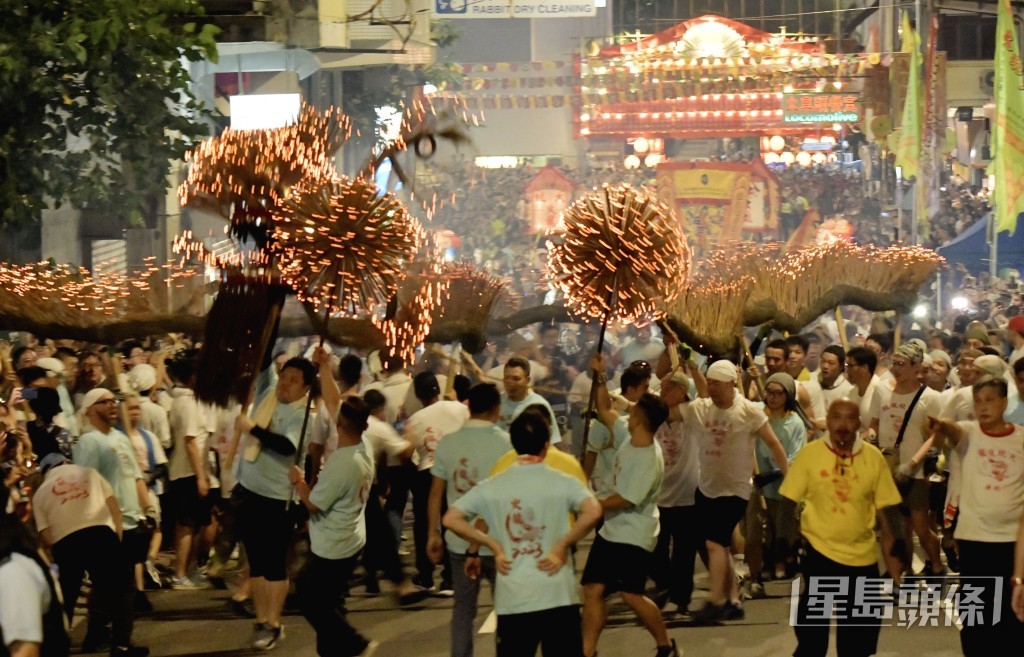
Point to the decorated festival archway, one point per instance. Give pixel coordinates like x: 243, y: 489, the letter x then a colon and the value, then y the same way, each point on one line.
x: 714, y: 77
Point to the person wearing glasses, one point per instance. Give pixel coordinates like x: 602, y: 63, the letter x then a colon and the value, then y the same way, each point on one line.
x: 780, y: 527
x: 843, y: 484
x: 903, y: 439
x: 110, y: 452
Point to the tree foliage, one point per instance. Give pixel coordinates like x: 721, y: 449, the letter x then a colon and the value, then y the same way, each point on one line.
x: 95, y: 102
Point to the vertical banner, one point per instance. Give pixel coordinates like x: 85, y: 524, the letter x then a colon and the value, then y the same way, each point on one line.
x: 908, y: 149
x: 1008, y: 131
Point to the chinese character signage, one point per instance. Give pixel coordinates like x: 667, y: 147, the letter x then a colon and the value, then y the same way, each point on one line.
x: 820, y: 108
x: 514, y: 8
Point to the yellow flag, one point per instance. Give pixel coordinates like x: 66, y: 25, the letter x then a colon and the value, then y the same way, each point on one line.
x: 908, y: 149
x: 1008, y: 132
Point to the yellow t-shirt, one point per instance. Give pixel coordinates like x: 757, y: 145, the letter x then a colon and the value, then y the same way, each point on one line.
x: 841, y: 499
x: 556, y: 459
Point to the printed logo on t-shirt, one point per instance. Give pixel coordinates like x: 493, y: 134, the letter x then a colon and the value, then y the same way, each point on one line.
x: 526, y: 537
x: 669, y: 447
x: 430, y: 441
x: 995, y: 466
x: 464, y: 478
x: 68, y: 490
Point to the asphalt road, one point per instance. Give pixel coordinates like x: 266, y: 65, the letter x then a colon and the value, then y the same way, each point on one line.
x: 199, y: 623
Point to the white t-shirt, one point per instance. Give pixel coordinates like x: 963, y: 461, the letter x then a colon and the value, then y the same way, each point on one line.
x: 679, y: 450
x: 814, y: 392
x: 991, y: 485
x: 71, y: 498
x: 394, y: 388
x: 960, y: 405
x: 637, y: 478
x: 384, y: 440
x: 24, y: 599
x: 427, y: 426
x: 186, y: 418
x: 840, y: 389
x: 891, y: 419
x: 725, y: 444
x: 633, y: 351
x: 154, y: 420
x: 870, y: 403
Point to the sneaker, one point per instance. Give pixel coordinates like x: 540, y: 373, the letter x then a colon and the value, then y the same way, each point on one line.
x: 733, y: 611
x: 668, y: 651
x: 370, y: 648
x: 152, y: 574
x: 752, y: 589
x: 709, y: 614
x: 183, y: 584
x: 445, y: 591
x: 265, y: 637
x: 129, y: 651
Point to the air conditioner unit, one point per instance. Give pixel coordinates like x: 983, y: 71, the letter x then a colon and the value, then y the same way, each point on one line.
x: 987, y: 82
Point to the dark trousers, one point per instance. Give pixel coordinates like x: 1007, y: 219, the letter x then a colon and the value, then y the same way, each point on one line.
x: 98, y: 551
x: 320, y: 592
x: 400, y: 479
x: 978, y: 635
x: 556, y: 631
x: 421, y: 531
x: 855, y: 637
x: 679, y: 540
x: 381, y: 552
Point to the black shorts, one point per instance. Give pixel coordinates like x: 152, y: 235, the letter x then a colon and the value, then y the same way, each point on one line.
x: 265, y: 527
x: 619, y: 566
x: 190, y: 510
x: 718, y: 516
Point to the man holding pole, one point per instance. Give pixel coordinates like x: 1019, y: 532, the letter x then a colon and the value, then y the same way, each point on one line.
x: 271, y: 438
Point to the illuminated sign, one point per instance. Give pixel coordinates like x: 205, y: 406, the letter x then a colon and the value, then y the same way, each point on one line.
x: 820, y: 108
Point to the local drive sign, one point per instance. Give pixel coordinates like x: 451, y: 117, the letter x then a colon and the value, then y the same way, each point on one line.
x: 513, y: 8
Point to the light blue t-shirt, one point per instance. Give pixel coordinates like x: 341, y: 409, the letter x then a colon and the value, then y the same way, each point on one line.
x: 1014, y: 409
x: 527, y: 509
x: 793, y: 436
x: 112, y: 455
x: 605, y: 444
x: 339, y: 530
x: 510, y: 410
x: 637, y: 478
x: 268, y: 474
x: 463, y: 459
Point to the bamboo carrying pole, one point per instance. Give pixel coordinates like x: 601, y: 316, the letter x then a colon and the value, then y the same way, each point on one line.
x: 594, y: 375
x: 841, y: 325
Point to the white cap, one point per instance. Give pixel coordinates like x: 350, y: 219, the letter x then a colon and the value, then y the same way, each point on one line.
x: 722, y: 370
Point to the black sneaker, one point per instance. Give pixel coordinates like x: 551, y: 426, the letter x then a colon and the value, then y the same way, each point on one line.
x: 668, y: 651
x: 709, y: 614
x: 733, y: 611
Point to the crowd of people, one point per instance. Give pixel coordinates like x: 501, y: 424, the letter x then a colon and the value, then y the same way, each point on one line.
x: 799, y: 463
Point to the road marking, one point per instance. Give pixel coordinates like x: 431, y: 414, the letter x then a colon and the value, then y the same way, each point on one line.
x: 490, y: 625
